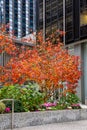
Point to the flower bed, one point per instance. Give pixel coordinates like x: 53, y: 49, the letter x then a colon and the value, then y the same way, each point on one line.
x: 32, y: 108
x: 29, y: 98
x: 39, y: 118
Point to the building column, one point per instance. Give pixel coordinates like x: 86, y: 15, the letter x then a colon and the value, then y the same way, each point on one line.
x: 34, y: 15
x: 19, y: 18
x: 84, y: 68
x: 27, y: 16
x: 11, y: 16
x: 80, y: 89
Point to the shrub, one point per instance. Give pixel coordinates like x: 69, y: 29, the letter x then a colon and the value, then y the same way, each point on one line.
x: 31, y: 97
x: 10, y: 92
x: 68, y: 100
x: 26, y: 98
x: 2, y: 107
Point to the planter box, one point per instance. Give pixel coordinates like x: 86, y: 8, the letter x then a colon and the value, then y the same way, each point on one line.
x: 39, y: 118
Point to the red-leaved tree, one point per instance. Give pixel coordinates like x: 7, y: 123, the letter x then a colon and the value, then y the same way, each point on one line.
x: 47, y: 63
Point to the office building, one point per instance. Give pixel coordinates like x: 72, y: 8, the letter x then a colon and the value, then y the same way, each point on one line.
x: 51, y: 15
x: 20, y: 14
x: 75, y: 17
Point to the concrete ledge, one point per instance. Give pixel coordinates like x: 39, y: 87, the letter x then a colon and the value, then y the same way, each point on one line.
x: 39, y: 118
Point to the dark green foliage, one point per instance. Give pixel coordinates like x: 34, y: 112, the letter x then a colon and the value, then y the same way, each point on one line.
x: 18, y: 107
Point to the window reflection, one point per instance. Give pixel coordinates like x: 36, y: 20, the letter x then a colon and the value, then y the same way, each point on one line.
x: 83, y: 18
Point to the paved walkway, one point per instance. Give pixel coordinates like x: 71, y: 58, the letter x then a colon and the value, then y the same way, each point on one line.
x: 75, y: 125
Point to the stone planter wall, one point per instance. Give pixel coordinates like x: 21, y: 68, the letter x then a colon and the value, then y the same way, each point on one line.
x: 39, y: 118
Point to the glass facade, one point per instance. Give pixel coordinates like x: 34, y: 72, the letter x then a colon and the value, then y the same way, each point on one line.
x: 75, y: 18
x: 69, y: 21
x: 20, y: 16
x: 54, y: 16
x: 68, y: 18
x: 83, y: 19
x: 6, y: 11
x: 51, y: 14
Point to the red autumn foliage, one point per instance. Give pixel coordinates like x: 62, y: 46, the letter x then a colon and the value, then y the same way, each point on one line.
x: 6, y: 42
x: 48, y: 64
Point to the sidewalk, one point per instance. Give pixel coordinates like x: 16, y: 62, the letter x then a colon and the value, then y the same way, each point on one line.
x: 75, y: 125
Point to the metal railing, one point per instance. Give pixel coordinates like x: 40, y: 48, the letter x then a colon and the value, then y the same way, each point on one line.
x: 12, y: 113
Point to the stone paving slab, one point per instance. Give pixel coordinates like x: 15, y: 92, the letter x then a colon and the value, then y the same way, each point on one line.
x: 75, y: 125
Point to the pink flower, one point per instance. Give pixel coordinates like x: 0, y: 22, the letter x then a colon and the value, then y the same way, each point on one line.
x: 7, y: 109
x: 49, y: 104
x: 75, y: 105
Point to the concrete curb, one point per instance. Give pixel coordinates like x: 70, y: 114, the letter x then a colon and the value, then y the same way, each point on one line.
x: 27, y: 119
